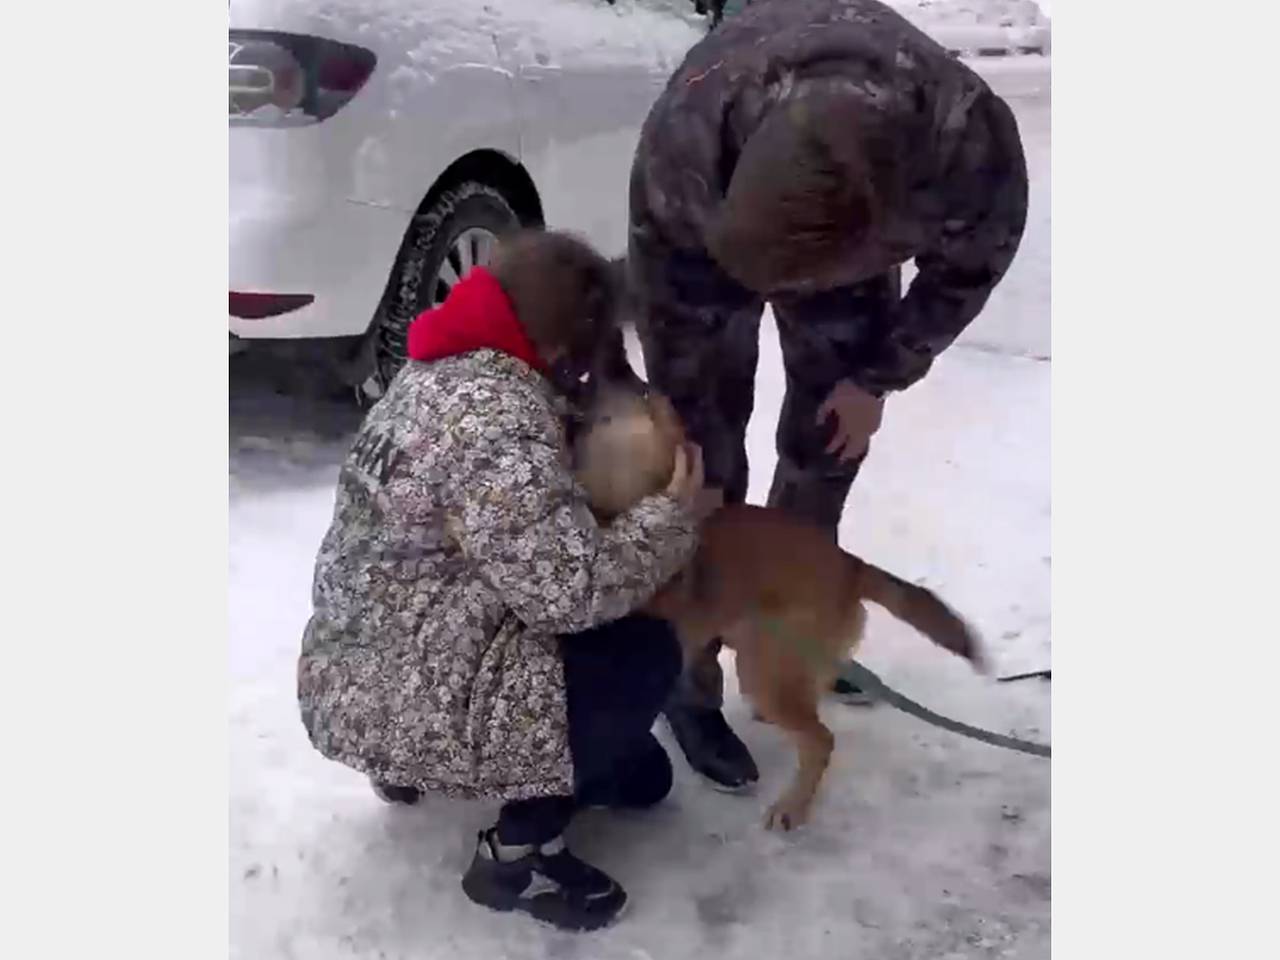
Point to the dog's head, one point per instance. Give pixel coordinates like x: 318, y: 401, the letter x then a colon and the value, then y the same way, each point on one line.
x: 625, y: 446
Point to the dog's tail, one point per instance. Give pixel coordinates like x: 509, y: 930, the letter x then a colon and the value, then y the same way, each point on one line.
x: 920, y: 608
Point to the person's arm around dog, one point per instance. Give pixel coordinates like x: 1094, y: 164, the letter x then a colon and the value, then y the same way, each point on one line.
x: 523, y: 520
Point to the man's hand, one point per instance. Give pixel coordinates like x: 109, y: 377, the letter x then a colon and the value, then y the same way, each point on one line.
x: 858, y: 416
x: 687, y: 477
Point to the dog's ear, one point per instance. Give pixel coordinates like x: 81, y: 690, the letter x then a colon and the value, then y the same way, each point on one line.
x: 609, y: 363
x: 665, y: 417
x: 618, y: 270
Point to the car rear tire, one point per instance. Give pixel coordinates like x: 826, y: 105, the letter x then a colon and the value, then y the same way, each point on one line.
x: 457, y: 232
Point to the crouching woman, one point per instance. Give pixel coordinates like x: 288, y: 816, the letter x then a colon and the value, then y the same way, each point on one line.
x: 472, y: 631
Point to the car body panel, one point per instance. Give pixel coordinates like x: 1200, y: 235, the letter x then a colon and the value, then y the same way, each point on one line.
x: 558, y: 86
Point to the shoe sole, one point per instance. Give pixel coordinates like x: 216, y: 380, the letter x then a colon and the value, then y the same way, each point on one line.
x: 525, y: 907
x: 854, y: 699
x: 741, y: 790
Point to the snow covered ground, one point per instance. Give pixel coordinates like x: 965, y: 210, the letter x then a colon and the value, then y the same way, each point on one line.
x: 990, y: 27
x: 923, y: 845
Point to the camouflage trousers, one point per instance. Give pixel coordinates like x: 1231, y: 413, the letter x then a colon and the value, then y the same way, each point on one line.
x: 700, y: 334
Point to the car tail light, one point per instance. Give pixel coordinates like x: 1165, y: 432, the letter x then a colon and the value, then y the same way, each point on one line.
x: 290, y: 79
x: 259, y: 306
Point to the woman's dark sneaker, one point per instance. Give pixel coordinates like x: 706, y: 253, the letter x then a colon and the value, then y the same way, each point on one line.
x: 547, y: 882
x: 390, y: 793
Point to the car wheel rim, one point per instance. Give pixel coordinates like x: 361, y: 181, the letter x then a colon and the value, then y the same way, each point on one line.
x: 473, y: 247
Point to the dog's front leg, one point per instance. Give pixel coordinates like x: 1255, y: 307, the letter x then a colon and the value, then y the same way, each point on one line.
x: 814, y: 743
x: 783, y: 693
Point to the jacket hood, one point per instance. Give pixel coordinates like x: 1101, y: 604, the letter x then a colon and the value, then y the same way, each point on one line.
x: 477, y: 315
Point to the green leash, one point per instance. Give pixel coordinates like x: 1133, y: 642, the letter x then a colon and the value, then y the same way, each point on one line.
x: 858, y: 675
x: 876, y: 688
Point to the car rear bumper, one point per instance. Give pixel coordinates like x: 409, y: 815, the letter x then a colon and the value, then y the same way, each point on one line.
x: 295, y: 229
x: 339, y: 253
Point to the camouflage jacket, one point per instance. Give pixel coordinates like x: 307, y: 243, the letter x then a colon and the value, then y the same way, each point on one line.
x: 966, y: 195
x: 460, y: 547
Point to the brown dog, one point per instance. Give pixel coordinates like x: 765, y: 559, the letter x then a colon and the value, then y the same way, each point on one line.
x: 779, y: 592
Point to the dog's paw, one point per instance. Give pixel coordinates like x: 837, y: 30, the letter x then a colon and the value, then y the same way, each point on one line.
x: 787, y: 814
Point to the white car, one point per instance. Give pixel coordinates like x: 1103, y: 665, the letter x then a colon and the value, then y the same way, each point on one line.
x: 378, y: 147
